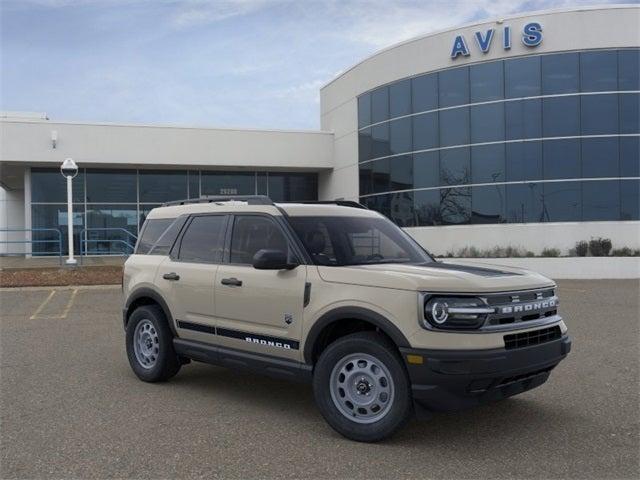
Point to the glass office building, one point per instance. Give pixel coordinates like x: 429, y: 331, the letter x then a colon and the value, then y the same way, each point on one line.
x: 542, y: 138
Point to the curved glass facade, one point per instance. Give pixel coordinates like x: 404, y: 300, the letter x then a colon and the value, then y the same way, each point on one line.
x: 541, y: 138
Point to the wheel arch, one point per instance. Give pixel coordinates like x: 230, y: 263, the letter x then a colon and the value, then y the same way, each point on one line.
x: 147, y: 296
x: 329, y: 321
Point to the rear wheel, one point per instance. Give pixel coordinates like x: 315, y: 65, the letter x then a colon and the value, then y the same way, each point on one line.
x: 361, y: 387
x: 150, y: 345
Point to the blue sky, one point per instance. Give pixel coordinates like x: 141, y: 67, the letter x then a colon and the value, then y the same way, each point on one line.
x: 241, y: 63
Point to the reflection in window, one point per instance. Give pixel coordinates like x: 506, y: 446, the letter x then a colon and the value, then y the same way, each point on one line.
x: 598, y: 71
x: 49, y: 186
x: 380, y: 141
x: 400, y: 99
x: 630, y: 156
x: 400, y: 135
x: 424, y: 92
x: 111, y: 186
x: 523, y: 161
x: 560, y: 73
x: 562, y: 202
x: 488, y: 204
x: 487, y: 123
x: 454, y: 127
x: 365, y: 178
x: 364, y: 110
x: 523, y: 119
x: 401, y: 205
x: 381, y: 175
x: 454, y: 87
x: 401, y: 172
x: 228, y: 183
x: 144, y: 213
x: 455, y: 166
x: 427, y: 207
x: 561, y: 116
x: 599, y: 114
x: 194, y: 184
x: 629, y: 69
x: 487, y: 82
x: 162, y: 186
x: 629, y: 113
x: 455, y: 205
x: 561, y: 159
x: 425, y: 131
x: 203, y: 240
x: 53, y: 217
x: 365, y: 145
x: 524, y: 203
x: 426, y: 169
x: 380, y: 105
x: 600, y: 157
x: 111, y: 224
x: 487, y: 164
x: 601, y: 200
x: 630, y: 199
x: 522, y: 77
x: 292, y: 187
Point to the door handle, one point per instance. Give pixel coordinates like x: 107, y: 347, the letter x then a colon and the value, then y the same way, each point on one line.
x: 171, y: 276
x: 232, y: 282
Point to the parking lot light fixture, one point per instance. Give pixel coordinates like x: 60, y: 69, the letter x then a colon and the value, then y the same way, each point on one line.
x: 69, y: 170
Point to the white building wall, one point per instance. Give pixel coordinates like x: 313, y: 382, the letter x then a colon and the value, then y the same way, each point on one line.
x: 11, y: 217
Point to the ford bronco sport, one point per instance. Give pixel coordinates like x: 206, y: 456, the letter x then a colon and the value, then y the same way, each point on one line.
x: 337, y: 295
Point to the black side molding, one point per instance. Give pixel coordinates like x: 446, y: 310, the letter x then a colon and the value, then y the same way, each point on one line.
x: 236, y: 359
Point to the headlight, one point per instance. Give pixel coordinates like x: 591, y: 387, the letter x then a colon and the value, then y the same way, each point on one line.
x: 455, y: 312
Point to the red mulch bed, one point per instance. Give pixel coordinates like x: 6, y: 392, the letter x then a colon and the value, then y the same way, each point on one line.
x: 57, y: 276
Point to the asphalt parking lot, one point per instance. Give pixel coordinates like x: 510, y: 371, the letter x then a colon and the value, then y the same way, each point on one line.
x: 71, y: 407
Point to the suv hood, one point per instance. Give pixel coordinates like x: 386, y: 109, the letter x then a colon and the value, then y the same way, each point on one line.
x: 437, y: 277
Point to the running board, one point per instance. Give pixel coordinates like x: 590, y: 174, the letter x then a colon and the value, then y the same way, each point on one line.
x: 237, y: 359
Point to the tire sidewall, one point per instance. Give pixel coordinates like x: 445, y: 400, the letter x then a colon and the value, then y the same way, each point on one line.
x: 166, y: 360
x: 377, y: 346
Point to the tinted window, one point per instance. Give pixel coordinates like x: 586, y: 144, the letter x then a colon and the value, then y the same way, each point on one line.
x: 364, y: 110
x: 455, y: 167
x: 454, y: 87
x: 523, y: 161
x: 600, y: 157
x: 561, y: 159
x: 561, y: 116
x: 364, y: 144
x: 523, y: 119
x: 203, y: 240
x: 488, y: 204
x: 426, y: 168
x: 115, y: 186
x: 560, y: 73
x: 151, y: 233
x: 630, y: 200
x: 524, y: 203
x: 629, y: 70
x: 454, y: 127
x: 400, y: 135
x: 401, y: 172
x: 381, y: 173
x: 425, y: 131
x: 380, y: 105
x: 49, y: 186
x: 562, y: 202
x: 487, y: 123
x: 601, y: 200
x: 424, y: 92
x: 166, y: 240
x: 599, y: 114
x: 401, y: 209
x: 522, y: 77
x: 426, y: 205
x: 228, y: 183
x: 455, y: 205
x: 144, y: 210
x: 629, y: 113
x: 630, y: 156
x: 55, y: 217
x: 366, y: 185
x: 598, y: 71
x: 380, y: 141
x: 487, y: 81
x: 162, y: 186
x: 194, y: 184
x: 487, y: 164
x: 291, y: 187
x: 118, y: 226
x: 253, y: 233
x: 400, y: 98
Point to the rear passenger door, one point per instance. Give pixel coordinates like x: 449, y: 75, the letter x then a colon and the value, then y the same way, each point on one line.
x: 187, y: 276
x: 259, y: 310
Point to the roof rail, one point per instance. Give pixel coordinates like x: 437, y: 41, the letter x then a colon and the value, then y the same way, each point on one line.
x: 341, y: 203
x: 250, y: 199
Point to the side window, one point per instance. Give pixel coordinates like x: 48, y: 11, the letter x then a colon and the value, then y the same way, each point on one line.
x: 203, y: 241
x: 253, y: 233
x: 163, y: 245
x: 316, y: 238
x: 151, y: 233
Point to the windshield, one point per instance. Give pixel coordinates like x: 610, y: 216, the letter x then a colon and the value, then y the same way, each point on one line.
x: 340, y: 241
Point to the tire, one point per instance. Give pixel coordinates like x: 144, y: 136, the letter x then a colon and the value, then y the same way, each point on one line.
x: 366, y: 368
x: 153, y: 359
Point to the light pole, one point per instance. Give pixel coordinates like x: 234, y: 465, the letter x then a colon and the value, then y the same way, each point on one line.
x: 69, y: 169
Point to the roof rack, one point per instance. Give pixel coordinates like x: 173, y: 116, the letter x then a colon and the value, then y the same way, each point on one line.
x: 341, y: 203
x: 250, y: 199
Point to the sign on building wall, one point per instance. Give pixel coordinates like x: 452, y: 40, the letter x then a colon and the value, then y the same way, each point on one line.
x: 531, y: 36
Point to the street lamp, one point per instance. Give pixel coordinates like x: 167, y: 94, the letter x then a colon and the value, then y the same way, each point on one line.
x: 69, y: 169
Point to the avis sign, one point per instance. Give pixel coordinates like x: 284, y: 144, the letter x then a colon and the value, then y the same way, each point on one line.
x: 531, y: 37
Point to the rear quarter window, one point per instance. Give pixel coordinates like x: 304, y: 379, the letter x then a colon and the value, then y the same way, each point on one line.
x: 151, y: 233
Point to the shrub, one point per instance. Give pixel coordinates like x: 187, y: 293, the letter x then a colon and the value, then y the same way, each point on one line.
x: 550, y: 252
x: 582, y: 248
x: 625, y: 252
x: 600, y: 247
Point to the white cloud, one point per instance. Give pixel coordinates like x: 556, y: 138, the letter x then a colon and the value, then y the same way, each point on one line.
x: 190, y: 13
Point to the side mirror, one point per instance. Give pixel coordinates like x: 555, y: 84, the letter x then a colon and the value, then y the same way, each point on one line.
x: 267, y: 259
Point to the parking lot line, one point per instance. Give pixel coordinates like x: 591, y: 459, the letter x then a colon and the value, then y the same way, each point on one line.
x: 57, y: 316
x: 42, y: 305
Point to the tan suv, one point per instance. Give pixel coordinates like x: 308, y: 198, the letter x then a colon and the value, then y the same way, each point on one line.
x: 337, y: 295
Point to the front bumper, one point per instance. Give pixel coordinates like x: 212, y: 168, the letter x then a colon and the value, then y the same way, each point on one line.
x: 449, y: 380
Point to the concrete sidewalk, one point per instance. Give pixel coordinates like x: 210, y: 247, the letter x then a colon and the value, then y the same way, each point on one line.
x: 20, y: 261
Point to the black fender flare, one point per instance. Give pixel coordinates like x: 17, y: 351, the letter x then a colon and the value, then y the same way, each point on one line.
x: 145, y: 292
x: 357, y: 313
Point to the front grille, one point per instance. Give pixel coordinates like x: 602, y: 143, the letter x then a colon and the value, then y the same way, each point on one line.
x: 524, y: 376
x: 534, y: 337
x: 519, y: 307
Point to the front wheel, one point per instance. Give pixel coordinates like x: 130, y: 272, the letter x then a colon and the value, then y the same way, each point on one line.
x: 361, y: 387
